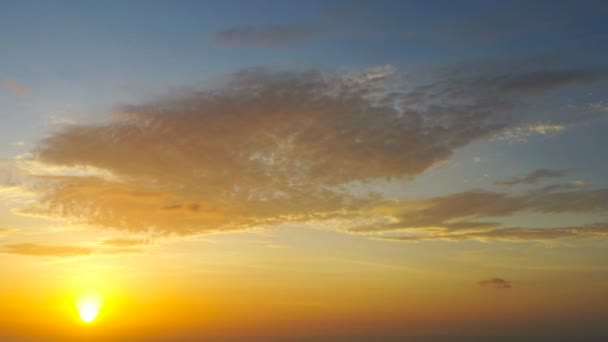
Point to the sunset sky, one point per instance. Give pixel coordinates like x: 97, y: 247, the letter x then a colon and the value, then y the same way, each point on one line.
x: 303, y: 170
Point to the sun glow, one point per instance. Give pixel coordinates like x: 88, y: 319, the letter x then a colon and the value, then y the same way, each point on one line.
x: 88, y: 306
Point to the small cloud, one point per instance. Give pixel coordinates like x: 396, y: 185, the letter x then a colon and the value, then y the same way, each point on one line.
x: 16, y: 87
x: 601, y: 106
x: 122, y: 251
x: 269, y: 36
x: 56, y: 120
x: 522, y: 133
x: 126, y: 242
x: 34, y: 249
x: 495, y: 283
x: 533, y: 177
x: 580, y: 182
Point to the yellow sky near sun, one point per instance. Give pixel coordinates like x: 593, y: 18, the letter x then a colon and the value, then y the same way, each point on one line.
x: 253, y: 289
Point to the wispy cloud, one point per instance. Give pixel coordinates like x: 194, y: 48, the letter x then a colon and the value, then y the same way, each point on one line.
x: 269, y: 36
x: 126, y: 242
x: 600, y: 106
x: 495, y: 283
x: 34, y: 249
x: 65, y: 251
x: 533, y: 177
x: 515, y: 234
x: 472, y: 215
x: 16, y: 87
x: 523, y: 133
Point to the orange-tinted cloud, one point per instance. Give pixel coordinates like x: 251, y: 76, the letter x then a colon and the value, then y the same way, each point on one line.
x: 126, y: 242
x: 34, y: 249
x: 16, y: 87
x: 509, y: 234
x: 495, y: 283
x: 46, y: 250
x: 461, y: 211
x: 274, y: 147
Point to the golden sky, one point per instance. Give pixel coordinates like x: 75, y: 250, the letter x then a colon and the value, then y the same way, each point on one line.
x: 352, y: 175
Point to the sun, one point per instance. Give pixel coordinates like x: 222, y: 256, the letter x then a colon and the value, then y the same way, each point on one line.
x: 88, y: 306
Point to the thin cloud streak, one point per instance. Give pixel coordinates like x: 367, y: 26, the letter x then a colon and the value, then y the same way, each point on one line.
x: 270, y: 36
x: 33, y: 249
x: 533, y: 177
x: 496, y: 283
x: 16, y: 87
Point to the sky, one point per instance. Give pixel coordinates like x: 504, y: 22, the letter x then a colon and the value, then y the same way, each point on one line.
x: 303, y: 170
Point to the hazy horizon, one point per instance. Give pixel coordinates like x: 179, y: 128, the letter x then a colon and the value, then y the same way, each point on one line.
x: 303, y: 170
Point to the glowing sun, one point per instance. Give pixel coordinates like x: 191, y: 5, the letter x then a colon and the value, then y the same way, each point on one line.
x: 88, y: 306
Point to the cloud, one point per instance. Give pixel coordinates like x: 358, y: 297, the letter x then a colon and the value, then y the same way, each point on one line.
x: 120, y: 251
x: 580, y: 182
x: 461, y: 211
x: 472, y: 215
x: 270, y: 36
x: 268, y: 147
x: 126, y: 242
x: 514, y: 234
x: 34, y: 249
x: 533, y: 177
x: 495, y: 283
x: 523, y: 133
x: 15, y: 87
x: 542, y: 81
x: 45, y: 250
x: 600, y: 106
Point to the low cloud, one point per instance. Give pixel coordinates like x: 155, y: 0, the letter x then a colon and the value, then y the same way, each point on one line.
x: 525, y: 132
x: 34, y: 249
x: 121, y: 251
x: 268, y: 147
x: 473, y: 215
x: 461, y: 211
x: 600, y: 106
x: 495, y: 283
x: 15, y: 87
x: 126, y: 242
x: 533, y: 177
x: 64, y: 251
x: 509, y: 234
x: 270, y: 36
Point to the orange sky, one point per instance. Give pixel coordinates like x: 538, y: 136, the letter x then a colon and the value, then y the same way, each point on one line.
x: 303, y: 171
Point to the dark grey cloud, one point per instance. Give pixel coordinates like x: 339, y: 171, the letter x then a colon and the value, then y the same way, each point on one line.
x: 271, y: 36
x: 272, y: 147
x: 495, y: 283
x: 545, y: 80
x: 533, y: 177
x: 504, y: 86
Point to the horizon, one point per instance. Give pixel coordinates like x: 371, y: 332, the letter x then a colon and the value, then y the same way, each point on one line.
x: 303, y: 171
